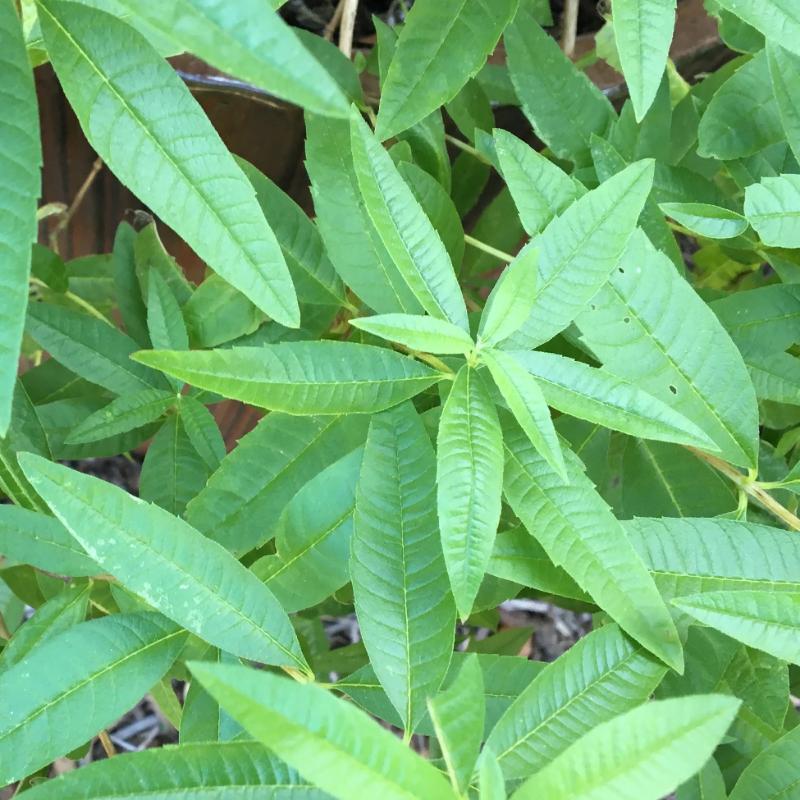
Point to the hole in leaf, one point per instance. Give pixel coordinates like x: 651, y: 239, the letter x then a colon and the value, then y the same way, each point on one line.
x: 626, y: 319
x: 673, y: 389
x: 622, y: 270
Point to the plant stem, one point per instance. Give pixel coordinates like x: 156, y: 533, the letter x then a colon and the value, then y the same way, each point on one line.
x: 75, y: 204
x: 347, y: 27
x: 435, y: 362
x: 569, y: 27
x: 487, y: 248
x: 755, y: 491
x: 108, y: 745
x: 467, y: 148
x: 78, y: 301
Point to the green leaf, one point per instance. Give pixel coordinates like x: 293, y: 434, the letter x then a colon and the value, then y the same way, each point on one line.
x: 90, y: 348
x: 458, y: 713
x: 123, y: 414
x: 511, y: 299
x: 426, y: 334
x: 644, y: 753
x: 169, y: 564
x: 706, y: 220
x: 599, y: 396
x: 126, y: 285
x: 772, y: 207
x: 643, y: 327
x: 783, y: 66
x: 339, y: 748
x: 579, y: 533
x: 708, y: 784
x: 643, y: 33
x: 491, y: 784
x: 721, y: 133
x: 20, y: 162
x: 151, y: 256
x: 40, y: 540
x: 580, y: 249
x: 313, y: 538
x: 469, y: 480
x: 202, y: 430
x: 772, y: 775
x: 471, y: 110
x: 766, y: 620
x: 104, y: 668
x: 165, y: 325
x: 325, y: 377
x: 540, y: 189
x: 402, y: 596
x: 603, y: 675
x: 242, y: 502
x: 440, y: 48
x: 561, y: 103
x: 778, y: 20
x: 119, y: 88
x: 524, y: 397
x: 408, y: 235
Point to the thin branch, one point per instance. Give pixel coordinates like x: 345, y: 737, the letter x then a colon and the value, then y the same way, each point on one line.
x: 467, y: 148
x: 569, y: 27
x: 108, y: 745
x: 487, y: 248
x: 347, y: 27
x: 75, y: 204
x: 334, y: 21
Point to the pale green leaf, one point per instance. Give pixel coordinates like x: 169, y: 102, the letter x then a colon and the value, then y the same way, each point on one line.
x: 599, y: 396
x: 708, y: 784
x: 408, y: 235
x: 772, y: 207
x: 772, y: 775
x: 766, y: 620
x: 326, y: 377
x: 513, y: 296
x: 20, y: 160
x: 706, y: 220
x: 402, y: 595
x: 242, y: 502
x: 469, y: 480
x: 603, y: 675
x: 119, y: 88
x: 580, y: 249
x: 524, y: 397
x: 643, y: 33
x: 225, y: 771
x: 43, y: 542
x: 165, y: 324
x: 104, y: 668
x: 425, y: 334
x: 640, y: 755
x: 579, y: 533
x: 123, y: 414
x: 562, y: 104
x: 778, y: 20
x: 313, y: 538
x: 783, y: 69
x: 170, y: 565
x: 202, y: 430
x: 541, y: 190
x: 643, y: 326
x: 458, y: 713
x: 337, y: 747
x: 491, y: 784
x: 126, y: 285
x: 441, y: 46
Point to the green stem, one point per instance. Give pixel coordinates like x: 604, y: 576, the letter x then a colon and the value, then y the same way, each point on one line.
x: 467, y: 148
x: 78, y: 301
x: 487, y: 248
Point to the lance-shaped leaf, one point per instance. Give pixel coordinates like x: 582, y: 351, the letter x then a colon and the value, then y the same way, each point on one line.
x: 773, y: 208
x: 426, y: 334
x: 123, y: 414
x: 598, y: 396
x: 20, y: 160
x: 580, y: 534
x: 408, y: 235
x: 440, y: 48
x: 511, y: 299
x: 580, y: 249
x: 104, y: 668
x: 603, y: 675
x: 706, y: 220
x: 458, y: 713
x: 243, y: 500
x: 772, y: 775
x: 708, y: 784
x: 313, y: 538
x: 783, y: 66
x: 778, y: 20
x: 765, y: 620
x: 169, y: 564
x: 227, y: 771
x: 90, y: 348
x: 119, y: 87
x: 643, y: 32
x: 643, y: 754
x: 643, y: 327
x: 326, y: 377
x: 337, y: 747
x: 402, y: 595
x: 541, y: 190
x: 563, y: 105
x: 40, y: 540
x: 469, y: 480
x: 524, y: 397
